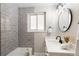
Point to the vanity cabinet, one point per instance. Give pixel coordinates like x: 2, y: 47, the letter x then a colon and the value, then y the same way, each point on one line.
x: 53, y: 48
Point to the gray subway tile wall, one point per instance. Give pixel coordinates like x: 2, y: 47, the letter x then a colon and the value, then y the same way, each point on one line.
x: 26, y: 39
x: 9, y: 28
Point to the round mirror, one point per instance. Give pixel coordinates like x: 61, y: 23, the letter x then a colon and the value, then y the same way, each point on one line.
x: 64, y: 19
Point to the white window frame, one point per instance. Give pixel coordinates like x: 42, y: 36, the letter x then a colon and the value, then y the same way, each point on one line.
x: 29, y: 20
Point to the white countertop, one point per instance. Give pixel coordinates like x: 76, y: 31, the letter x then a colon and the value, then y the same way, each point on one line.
x: 53, y: 46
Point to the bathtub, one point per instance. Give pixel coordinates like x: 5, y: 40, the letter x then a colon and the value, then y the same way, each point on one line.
x: 21, y: 51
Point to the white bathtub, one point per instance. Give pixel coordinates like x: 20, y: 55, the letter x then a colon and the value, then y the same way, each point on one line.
x: 20, y: 51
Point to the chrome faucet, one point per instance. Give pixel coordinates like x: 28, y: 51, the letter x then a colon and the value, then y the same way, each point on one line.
x: 60, y: 41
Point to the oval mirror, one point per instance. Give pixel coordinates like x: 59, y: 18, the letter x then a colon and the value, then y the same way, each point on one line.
x: 64, y: 19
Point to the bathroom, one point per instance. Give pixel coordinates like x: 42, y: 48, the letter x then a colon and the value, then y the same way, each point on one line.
x: 17, y: 38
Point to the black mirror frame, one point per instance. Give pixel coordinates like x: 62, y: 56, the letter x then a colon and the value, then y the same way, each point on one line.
x: 70, y: 21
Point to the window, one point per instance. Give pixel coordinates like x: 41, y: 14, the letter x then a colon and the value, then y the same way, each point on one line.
x: 36, y: 22
x: 33, y: 21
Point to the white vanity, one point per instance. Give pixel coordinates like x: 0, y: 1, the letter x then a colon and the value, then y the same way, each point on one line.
x: 53, y: 48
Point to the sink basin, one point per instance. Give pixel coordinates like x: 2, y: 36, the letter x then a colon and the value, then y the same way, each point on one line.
x: 52, y: 42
